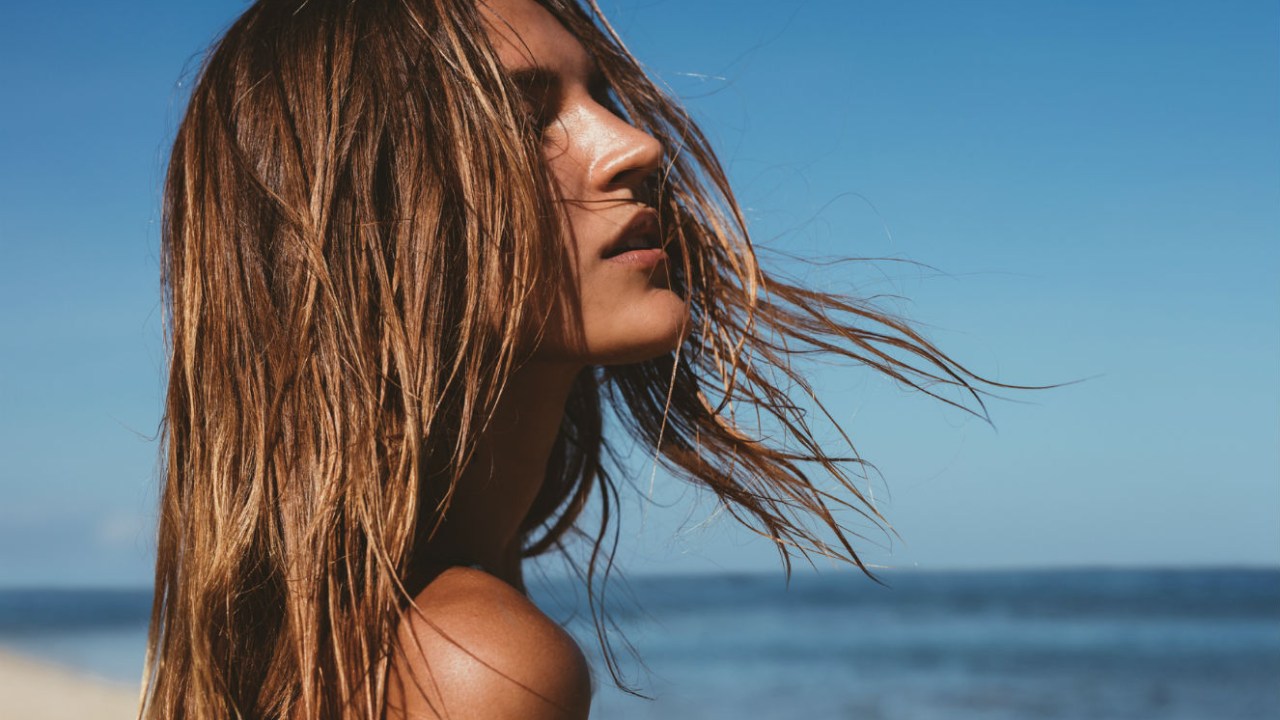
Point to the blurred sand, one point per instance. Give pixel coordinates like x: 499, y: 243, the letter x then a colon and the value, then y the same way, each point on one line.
x: 33, y: 690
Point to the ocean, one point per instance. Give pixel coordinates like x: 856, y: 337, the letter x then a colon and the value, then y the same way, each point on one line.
x: 1095, y: 644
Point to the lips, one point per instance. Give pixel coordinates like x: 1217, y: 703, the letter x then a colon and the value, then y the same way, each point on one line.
x: 641, y: 233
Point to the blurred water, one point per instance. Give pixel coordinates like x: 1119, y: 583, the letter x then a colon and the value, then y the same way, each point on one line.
x: 100, y: 632
x: 1041, y: 644
x: 1117, y: 644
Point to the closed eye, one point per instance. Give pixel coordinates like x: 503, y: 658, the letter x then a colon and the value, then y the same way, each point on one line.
x: 540, y: 92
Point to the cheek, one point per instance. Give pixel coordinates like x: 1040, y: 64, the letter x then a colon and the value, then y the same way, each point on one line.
x: 555, y: 321
x: 579, y: 223
x: 568, y: 163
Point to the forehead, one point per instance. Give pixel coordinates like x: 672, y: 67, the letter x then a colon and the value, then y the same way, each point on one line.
x: 526, y: 35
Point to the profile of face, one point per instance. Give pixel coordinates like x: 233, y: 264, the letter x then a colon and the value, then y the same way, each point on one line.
x: 602, y: 165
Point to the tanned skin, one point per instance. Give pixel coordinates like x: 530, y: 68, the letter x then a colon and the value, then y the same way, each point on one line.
x: 473, y: 645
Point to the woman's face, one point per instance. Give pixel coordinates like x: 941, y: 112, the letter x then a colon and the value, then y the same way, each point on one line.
x: 603, y: 166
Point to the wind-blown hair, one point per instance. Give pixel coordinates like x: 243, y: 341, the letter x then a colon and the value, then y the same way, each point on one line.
x: 359, y: 237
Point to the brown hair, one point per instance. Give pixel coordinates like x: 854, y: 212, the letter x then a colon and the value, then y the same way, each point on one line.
x: 358, y: 237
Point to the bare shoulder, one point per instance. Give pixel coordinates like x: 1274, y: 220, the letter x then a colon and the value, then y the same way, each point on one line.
x: 474, y: 647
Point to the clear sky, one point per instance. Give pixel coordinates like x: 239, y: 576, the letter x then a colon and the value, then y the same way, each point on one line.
x: 1095, y: 185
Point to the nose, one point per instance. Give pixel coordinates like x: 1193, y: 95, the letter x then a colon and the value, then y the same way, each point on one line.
x: 628, y: 158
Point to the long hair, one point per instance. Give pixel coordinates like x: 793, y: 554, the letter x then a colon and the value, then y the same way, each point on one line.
x: 359, y: 236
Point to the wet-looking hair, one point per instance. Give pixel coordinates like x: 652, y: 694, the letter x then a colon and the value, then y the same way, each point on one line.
x: 359, y: 234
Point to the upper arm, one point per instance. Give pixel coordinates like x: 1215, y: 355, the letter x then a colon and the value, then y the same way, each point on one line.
x: 473, y: 647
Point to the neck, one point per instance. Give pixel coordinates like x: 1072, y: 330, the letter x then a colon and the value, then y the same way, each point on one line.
x: 483, y: 523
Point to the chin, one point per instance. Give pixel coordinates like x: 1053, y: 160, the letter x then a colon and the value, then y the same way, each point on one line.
x: 632, y: 333
x: 657, y: 328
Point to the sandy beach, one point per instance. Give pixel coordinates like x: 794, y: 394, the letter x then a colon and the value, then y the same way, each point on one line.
x: 34, y: 690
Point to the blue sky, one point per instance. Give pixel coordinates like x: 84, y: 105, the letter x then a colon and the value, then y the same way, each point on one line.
x: 1095, y: 187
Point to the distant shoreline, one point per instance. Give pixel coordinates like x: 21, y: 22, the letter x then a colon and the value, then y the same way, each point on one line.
x: 34, y: 689
x: 800, y: 570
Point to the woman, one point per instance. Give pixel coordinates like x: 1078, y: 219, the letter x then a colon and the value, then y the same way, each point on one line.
x: 413, y: 249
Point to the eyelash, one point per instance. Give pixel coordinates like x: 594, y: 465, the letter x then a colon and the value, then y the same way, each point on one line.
x: 541, y: 113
